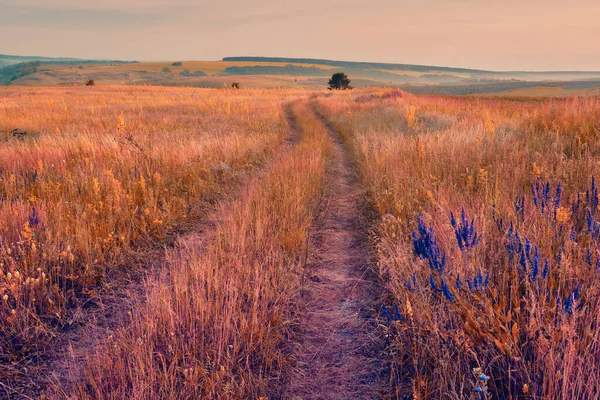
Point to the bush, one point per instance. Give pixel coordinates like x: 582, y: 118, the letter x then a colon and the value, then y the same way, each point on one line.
x: 90, y: 83
x: 188, y: 73
x: 177, y: 64
x: 235, y: 85
x: 166, y: 69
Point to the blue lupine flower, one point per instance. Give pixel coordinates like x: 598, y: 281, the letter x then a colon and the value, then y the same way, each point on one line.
x: 519, y: 205
x: 547, y: 194
x: 592, y: 196
x: 385, y: 312
x: 573, y: 236
x: 557, y: 197
x: 446, y: 290
x: 483, y: 377
x: 465, y: 232
x: 433, y: 284
x: 398, y: 314
x: 425, y: 246
x: 546, y: 269
x: 479, y: 390
x: 576, y: 205
x: 34, y: 218
x: 509, y: 233
x: 523, y: 260
x: 568, y: 306
x: 535, y: 265
x: 458, y: 282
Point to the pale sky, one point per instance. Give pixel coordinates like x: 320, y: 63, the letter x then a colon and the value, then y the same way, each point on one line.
x: 496, y: 35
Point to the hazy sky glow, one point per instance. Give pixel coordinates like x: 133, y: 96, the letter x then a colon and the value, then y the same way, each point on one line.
x: 500, y: 34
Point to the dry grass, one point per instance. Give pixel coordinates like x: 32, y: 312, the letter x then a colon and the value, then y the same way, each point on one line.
x: 473, y: 308
x: 495, y: 322
x: 102, y: 175
x: 216, y: 322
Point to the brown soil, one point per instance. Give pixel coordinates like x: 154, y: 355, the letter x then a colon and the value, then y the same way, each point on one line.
x: 340, y: 353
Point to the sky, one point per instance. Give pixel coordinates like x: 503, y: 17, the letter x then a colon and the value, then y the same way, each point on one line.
x: 483, y: 34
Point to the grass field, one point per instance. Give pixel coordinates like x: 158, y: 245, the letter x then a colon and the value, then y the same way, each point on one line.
x: 161, y: 242
x: 486, y: 235
x: 102, y: 176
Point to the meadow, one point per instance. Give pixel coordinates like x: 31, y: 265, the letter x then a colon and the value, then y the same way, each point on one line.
x: 487, y: 238
x: 100, y: 178
x: 203, y: 209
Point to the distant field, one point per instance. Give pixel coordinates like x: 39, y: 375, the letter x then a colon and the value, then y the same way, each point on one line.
x: 260, y: 72
x: 542, y: 91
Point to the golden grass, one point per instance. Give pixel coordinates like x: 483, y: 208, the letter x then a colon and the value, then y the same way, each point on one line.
x: 101, y: 175
x: 216, y: 322
x: 519, y: 329
x: 104, y: 174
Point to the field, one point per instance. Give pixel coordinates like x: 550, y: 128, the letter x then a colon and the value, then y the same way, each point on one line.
x: 293, y: 73
x: 163, y: 242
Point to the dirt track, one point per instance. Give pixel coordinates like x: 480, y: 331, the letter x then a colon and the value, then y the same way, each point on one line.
x: 339, y: 353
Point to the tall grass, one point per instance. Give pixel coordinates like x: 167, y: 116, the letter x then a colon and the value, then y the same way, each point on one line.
x: 487, y: 239
x: 215, y: 324
x: 103, y: 174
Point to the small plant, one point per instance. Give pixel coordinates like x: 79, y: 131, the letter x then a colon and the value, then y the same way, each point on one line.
x: 90, y: 83
x: 166, y: 69
x: 235, y: 85
x: 411, y: 117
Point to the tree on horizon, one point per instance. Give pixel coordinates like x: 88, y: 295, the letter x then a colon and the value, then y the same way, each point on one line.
x: 339, y: 81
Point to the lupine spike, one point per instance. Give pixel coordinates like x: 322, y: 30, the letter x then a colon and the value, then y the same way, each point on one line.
x: 446, y: 290
x: 465, y: 232
x: 385, y: 312
x: 557, y: 197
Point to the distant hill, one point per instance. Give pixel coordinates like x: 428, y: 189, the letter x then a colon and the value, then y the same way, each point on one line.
x: 13, y: 68
x: 275, y: 72
x: 6, y: 59
x: 360, y: 65
x: 474, y: 73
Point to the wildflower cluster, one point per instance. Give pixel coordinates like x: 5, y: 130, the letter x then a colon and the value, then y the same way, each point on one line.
x: 466, y: 235
x: 426, y: 247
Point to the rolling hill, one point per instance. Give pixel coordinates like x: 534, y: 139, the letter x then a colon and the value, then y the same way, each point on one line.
x: 269, y: 72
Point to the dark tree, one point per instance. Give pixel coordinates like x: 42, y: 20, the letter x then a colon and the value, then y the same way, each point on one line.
x: 177, y: 64
x: 339, y: 81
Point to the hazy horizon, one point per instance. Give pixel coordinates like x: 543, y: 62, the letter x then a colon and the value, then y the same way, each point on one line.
x: 531, y: 35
